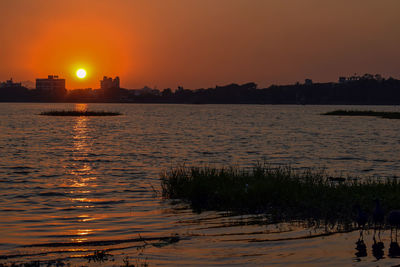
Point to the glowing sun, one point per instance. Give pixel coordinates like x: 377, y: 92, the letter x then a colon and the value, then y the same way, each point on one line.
x: 81, y: 73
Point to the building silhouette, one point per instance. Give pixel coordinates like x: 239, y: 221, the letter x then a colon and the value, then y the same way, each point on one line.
x: 51, y: 84
x: 52, y: 87
x: 10, y: 84
x: 109, y: 83
x: 308, y: 82
x: 11, y: 91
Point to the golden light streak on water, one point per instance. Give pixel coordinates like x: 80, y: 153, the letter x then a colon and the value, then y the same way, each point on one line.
x: 86, y: 218
x: 81, y: 107
x: 83, y: 176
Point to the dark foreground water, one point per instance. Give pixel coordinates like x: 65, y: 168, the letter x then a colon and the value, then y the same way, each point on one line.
x: 72, y: 185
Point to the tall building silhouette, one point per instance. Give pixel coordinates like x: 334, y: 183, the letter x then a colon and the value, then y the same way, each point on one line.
x: 51, y: 84
x: 109, y: 83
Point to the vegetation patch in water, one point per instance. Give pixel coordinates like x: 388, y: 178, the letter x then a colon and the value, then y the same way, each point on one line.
x: 282, y: 193
x: 382, y: 114
x: 79, y: 113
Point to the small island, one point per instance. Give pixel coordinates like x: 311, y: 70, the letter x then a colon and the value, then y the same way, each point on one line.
x: 381, y: 114
x: 78, y: 113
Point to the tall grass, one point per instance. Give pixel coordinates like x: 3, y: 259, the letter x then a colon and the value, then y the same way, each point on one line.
x: 382, y: 114
x: 283, y: 193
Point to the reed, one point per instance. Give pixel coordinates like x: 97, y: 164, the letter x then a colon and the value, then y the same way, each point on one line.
x: 381, y: 114
x: 79, y: 113
x: 282, y: 193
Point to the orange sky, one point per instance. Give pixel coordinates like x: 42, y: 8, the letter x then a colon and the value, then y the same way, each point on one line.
x: 198, y: 43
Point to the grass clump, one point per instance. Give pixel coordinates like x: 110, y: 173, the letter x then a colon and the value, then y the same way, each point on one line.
x: 283, y: 193
x: 381, y: 114
x: 79, y: 113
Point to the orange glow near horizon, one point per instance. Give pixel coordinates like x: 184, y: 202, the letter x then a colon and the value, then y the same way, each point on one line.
x: 65, y: 47
x: 199, y: 43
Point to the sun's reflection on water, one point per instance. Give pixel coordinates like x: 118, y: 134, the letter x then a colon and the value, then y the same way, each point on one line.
x: 81, y: 107
x: 86, y: 218
x: 81, y: 233
x: 83, y: 177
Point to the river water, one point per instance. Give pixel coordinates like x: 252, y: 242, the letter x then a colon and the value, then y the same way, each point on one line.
x: 72, y: 185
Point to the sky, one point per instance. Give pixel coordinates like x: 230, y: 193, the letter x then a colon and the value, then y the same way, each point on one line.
x: 198, y: 43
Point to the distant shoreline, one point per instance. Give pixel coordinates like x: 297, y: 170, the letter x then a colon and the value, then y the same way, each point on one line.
x: 365, y: 90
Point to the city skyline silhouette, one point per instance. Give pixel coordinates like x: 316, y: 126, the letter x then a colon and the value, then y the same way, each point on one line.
x: 198, y: 44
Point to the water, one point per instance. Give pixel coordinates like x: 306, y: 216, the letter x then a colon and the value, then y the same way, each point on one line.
x: 66, y: 181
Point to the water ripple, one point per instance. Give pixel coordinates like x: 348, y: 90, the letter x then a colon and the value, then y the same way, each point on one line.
x: 76, y: 183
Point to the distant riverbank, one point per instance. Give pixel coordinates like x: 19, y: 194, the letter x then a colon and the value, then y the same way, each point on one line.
x: 364, y: 90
